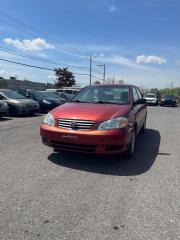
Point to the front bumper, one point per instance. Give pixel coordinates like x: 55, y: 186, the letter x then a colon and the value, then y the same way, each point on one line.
x: 151, y: 102
x: 93, y: 141
x: 28, y: 110
x: 4, y: 111
x: 168, y: 103
x: 48, y: 107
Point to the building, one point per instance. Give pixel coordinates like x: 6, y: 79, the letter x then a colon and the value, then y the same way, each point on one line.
x: 15, y: 84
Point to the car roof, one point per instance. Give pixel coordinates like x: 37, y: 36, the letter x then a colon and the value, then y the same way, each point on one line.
x: 4, y: 89
x: 112, y: 85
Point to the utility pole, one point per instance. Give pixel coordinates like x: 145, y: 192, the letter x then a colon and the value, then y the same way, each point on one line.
x: 90, y: 73
x: 104, y: 71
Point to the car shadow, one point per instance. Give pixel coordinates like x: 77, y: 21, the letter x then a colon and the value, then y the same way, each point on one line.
x: 4, y: 119
x: 29, y: 115
x: 147, y: 148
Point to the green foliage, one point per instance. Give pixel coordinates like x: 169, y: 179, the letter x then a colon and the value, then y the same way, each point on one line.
x: 174, y: 91
x: 165, y: 91
x: 97, y: 82
x: 65, y: 78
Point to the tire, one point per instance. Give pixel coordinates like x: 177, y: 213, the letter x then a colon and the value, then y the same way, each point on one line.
x: 13, y: 111
x: 130, y: 151
x: 143, y: 127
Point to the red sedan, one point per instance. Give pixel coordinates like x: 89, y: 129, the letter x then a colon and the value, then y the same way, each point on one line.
x: 101, y: 119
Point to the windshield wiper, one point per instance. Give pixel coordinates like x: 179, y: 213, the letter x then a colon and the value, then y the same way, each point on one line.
x: 103, y: 102
x: 78, y: 101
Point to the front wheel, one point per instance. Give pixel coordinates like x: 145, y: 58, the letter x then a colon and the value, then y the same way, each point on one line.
x: 143, y: 127
x: 130, y: 151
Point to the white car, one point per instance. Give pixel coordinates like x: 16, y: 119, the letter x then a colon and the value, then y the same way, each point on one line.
x: 151, y: 99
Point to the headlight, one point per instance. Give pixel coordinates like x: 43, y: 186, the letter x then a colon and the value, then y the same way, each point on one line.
x: 49, y: 120
x: 114, y: 123
x: 22, y: 105
x: 4, y: 104
x: 46, y: 102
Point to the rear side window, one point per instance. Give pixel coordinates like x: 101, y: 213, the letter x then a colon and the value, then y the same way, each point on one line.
x: 139, y: 93
x: 1, y: 97
x: 135, y: 94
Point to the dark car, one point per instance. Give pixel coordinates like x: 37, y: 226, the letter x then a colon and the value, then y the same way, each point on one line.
x: 54, y: 95
x: 168, y: 100
x: 47, y: 101
x: 102, y: 119
x: 18, y: 104
x: 64, y: 95
x: 4, y: 109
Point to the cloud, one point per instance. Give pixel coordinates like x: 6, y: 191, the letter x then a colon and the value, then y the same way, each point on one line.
x: 150, y: 59
x: 3, y: 72
x: 89, y: 47
x: 119, y: 60
x: 29, y: 44
x: 101, y: 54
x: 52, y: 77
x: 112, y: 7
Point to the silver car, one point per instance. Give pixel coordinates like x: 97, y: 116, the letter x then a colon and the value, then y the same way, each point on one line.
x: 151, y: 99
x: 18, y: 104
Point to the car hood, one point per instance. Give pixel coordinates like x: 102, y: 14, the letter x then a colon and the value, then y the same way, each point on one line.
x: 150, y: 98
x: 169, y: 99
x: 22, y: 101
x: 90, y: 111
x: 52, y: 100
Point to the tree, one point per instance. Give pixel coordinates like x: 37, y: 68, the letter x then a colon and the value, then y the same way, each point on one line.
x: 65, y: 78
x: 97, y: 82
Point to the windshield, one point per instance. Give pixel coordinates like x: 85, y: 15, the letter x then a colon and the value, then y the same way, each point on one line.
x: 42, y: 94
x: 103, y: 94
x: 50, y: 94
x: 12, y: 94
x: 169, y: 96
x: 150, y: 95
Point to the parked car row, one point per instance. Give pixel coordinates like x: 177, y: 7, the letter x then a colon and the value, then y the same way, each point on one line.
x: 27, y: 102
x: 166, y: 100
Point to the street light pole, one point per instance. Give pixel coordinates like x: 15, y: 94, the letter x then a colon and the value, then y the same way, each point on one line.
x: 104, y: 72
x: 90, y: 69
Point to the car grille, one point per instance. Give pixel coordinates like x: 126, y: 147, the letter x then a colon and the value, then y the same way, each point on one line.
x: 74, y: 147
x: 75, y: 124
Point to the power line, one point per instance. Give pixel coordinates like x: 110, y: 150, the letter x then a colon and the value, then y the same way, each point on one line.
x: 96, y: 77
x: 23, y: 27
x: 42, y: 68
x: 38, y: 58
x: 24, y: 64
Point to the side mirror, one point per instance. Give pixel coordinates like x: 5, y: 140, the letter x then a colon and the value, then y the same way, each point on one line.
x: 140, y: 101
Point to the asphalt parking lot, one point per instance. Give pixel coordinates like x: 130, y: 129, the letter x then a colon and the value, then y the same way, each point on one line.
x: 49, y: 195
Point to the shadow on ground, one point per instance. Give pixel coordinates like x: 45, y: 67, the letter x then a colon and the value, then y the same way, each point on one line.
x: 147, y: 148
x: 29, y: 115
x: 4, y: 119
